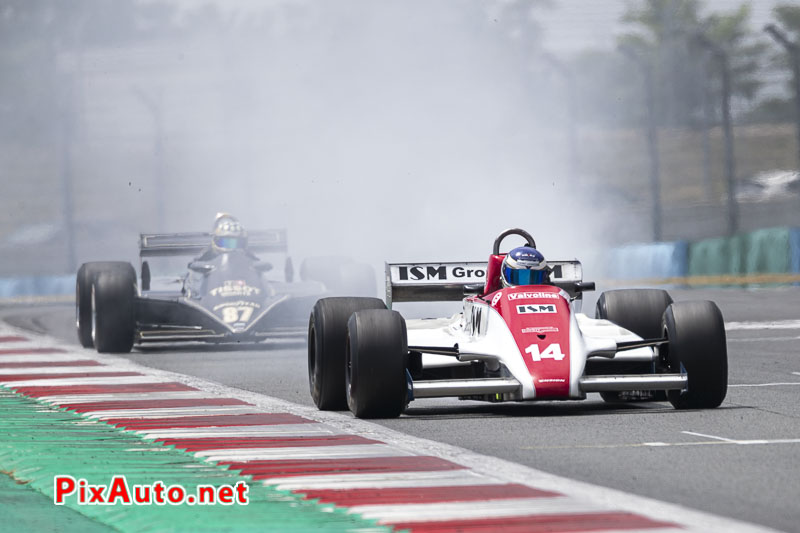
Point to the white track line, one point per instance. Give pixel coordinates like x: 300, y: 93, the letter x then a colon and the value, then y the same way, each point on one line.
x: 274, y: 430
x: 770, y: 324
x: 740, y: 385
x: 76, y: 382
x: 354, y: 451
x: 170, y: 412
x: 43, y: 358
x: 45, y: 370
x: 124, y: 397
x: 708, y: 436
x: 387, y: 480
x: 429, y: 512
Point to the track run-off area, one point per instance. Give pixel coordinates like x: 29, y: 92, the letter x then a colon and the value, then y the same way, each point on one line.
x: 207, y: 414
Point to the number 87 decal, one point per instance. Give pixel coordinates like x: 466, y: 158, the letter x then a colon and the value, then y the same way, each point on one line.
x: 232, y: 314
x: 551, y: 352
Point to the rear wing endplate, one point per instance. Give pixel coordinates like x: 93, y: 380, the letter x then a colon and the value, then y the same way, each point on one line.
x: 172, y: 244
x: 440, y: 282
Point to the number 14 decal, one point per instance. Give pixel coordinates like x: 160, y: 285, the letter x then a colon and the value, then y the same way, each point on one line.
x: 551, y: 352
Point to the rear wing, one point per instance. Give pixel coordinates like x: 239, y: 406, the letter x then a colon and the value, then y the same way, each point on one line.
x: 440, y: 282
x: 171, y: 244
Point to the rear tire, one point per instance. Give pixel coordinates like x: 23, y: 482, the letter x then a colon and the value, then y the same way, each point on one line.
x: 377, y: 353
x: 87, y: 273
x: 697, y: 345
x: 327, y: 337
x: 639, y: 311
x: 114, y: 300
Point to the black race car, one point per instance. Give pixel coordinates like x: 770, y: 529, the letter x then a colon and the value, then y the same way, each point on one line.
x: 224, y: 296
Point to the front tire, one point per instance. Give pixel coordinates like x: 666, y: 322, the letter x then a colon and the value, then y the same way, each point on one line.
x: 377, y: 353
x: 327, y: 337
x: 87, y: 273
x: 114, y: 310
x: 697, y: 345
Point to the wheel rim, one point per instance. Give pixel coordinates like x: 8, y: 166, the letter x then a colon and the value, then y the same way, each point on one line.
x: 348, y: 370
x: 94, y: 318
x: 77, y: 306
x: 312, y: 359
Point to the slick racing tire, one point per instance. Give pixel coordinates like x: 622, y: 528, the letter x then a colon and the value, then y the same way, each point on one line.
x: 87, y: 273
x: 377, y: 353
x: 696, y: 345
x: 113, y: 300
x: 639, y: 311
x: 327, y: 337
x: 340, y: 275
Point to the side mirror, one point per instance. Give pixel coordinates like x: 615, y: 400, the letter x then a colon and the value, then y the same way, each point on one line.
x: 584, y: 286
x: 263, y: 266
x: 288, y: 270
x: 473, y: 290
x: 145, y: 276
x: 202, y: 268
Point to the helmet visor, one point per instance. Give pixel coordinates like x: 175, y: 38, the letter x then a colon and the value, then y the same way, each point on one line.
x: 524, y: 276
x: 229, y: 243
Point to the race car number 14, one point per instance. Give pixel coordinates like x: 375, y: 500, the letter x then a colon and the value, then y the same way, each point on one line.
x: 551, y: 352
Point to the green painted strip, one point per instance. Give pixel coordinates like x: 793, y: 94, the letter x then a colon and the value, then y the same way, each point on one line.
x: 25, y: 509
x: 38, y: 442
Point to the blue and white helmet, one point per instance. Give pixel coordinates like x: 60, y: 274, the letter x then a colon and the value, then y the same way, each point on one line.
x: 524, y: 266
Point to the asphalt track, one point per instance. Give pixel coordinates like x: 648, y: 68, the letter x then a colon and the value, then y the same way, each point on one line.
x: 739, y: 461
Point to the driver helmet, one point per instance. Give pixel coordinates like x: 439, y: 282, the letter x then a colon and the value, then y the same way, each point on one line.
x: 524, y: 265
x: 228, y: 234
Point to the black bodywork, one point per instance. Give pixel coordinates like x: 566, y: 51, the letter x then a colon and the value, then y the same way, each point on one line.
x: 222, y: 296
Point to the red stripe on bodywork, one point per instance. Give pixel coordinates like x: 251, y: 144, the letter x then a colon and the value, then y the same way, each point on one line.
x: 25, y: 377
x: 460, y: 493
x: 259, y: 419
x: 12, y: 338
x: 48, y: 364
x: 213, y: 443
x: 103, y: 389
x: 152, y: 404
x: 550, y: 523
x: 366, y: 465
x: 24, y: 351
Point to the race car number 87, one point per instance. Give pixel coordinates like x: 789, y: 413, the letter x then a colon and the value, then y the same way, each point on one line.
x: 236, y: 314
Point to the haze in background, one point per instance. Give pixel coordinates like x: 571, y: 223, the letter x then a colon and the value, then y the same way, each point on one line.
x: 391, y: 130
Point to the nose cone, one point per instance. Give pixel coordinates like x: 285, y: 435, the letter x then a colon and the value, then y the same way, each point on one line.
x: 538, y: 317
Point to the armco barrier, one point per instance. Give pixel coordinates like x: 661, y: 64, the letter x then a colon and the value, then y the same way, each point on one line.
x: 765, y: 256
x: 765, y: 251
x: 648, y: 261
x: 794, y: 247
x: 37, y: 286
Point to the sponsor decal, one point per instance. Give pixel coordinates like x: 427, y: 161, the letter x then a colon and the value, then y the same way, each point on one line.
x: 551, y: 352
x: 440, y: 272
x: 552, y: 380
x: 234, y: 288
x: 120, y: 492
x: 476, y: 323
x: 496, y: 299
x: 536, y: 308
x: 541, y: 329
x: 529, y: 295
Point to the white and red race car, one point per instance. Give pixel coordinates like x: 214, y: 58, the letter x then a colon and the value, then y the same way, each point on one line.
x: 521, y: 343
